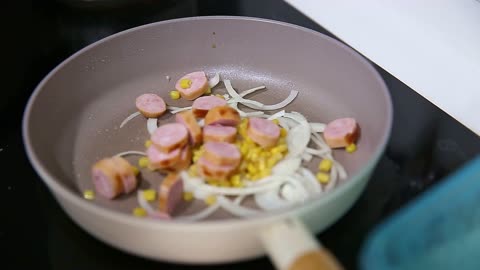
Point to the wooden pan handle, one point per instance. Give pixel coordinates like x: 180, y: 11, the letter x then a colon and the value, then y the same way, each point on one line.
x: 292, y: 247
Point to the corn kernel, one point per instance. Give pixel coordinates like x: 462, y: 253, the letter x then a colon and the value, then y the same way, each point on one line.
x: 275, y: 121
x: 148, y: 143
x: 185, y: 83
x: 235, y: 180
x: 283, y: 133
x: 238, y: 185
x: 135, y: 170
x: 143, y: 162
x: 351, y: 148
x: 89, y: 194
x: 212, y: 182
x: 220, y: 96
x: 210, y: 200
x: 175, y: 94
x: 209, y: 91
x: 325, y: 165
x: 149, y: 195
x: 224, y: 184
x: 192, y: 171
x: 323, y: 178
x: 187, y: 196
x: 139, y: 212
x: 251, y: 168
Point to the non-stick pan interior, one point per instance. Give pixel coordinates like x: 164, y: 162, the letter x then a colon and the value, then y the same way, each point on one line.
x: 75, y: 117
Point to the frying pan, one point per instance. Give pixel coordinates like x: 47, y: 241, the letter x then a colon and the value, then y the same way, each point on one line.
x: 72, y: 120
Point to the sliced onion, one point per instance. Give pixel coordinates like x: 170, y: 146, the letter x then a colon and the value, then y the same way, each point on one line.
x: 283, y: 123
x: 286, y: 166
x: 270, y: 200
x: 152, y: 125
x: 206, y: 212
x: 231, y: 91
x: 297, y: 117
x: 130, y: 117
x: 333, y: 179
x: 250, y: 91
x: 310, y: 181
x: 254, y: 114
x: 317, y: 152
x: 342, y: 173
x: 317, y: 127
x: 177, y: 110
x: 247, y: 102
x: 293, y: 191
x: 307, y: 157
x: 236, y: 209
x: 276, y: 115
x: 297, y: 140
x: 132, y: 152
x: 214, y: 81
x: 151, y: 212
x: 239, y: 199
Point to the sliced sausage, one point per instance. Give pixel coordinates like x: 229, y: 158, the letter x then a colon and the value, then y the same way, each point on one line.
x: 126, y: 174
x: 222, y: 115
x: 218, y: 133
x: 105, y: 179
x: 170, y: 193
x: 150, y: 105
x: 341, y: 132
x: 162, y: 160
x: 192, y: 85
x: 262, y: 131
x: 221, y: 153
x: 209, y: 170
x: 202, y: 105
x: 194, y: 130
x: 185, y: 159
x: 170, y: 136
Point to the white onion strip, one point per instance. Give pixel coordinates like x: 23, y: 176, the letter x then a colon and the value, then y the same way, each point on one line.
x: 214, y: 81
x: 130, y: 117
x: 177, y: 110
x: 293, y: 94
x: 239, y: 199
x: 333, y: 179
x: 235, y: 208
x: 317, y: 152
x: 276, y: 115
x: 250, y: 91
x: 317, y: 127
x: 200, y: 215
x: 152, y: 125
x: 308, y: 176
x: 132, y: 152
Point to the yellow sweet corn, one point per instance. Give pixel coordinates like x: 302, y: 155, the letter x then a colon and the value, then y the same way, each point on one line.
x: 89, y: 194
x: 276, y: 121
x: 187, y: 196
x: 283, y: 133
x: 148, y: 143
x: 175, y: 94
x: 323, y: 178
x: 135, y: 170
x: 149, y: 195
x: 143, y: 162
x: 139, y: 212
x: 325, y: 165
x: 209, y: 91
x: 351, y: 148
x: 210, y: 200
x: 185, y: 83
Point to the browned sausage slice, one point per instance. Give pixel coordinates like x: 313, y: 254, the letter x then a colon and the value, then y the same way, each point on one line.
x: 162, y: 160
x: 170, y: 136
x: 150, y: 105
x: 192, y: 85
x: 341, y: 132
x: 209, y: 170
x: 223, y: 115
x: 218, y: 133
x: 170, y: 193
x: 202, y: 105
x: 188, y: 120
x: 221, y: 153
x: 126, y: 174
x: 263, y: 131
x: 105, y: 179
